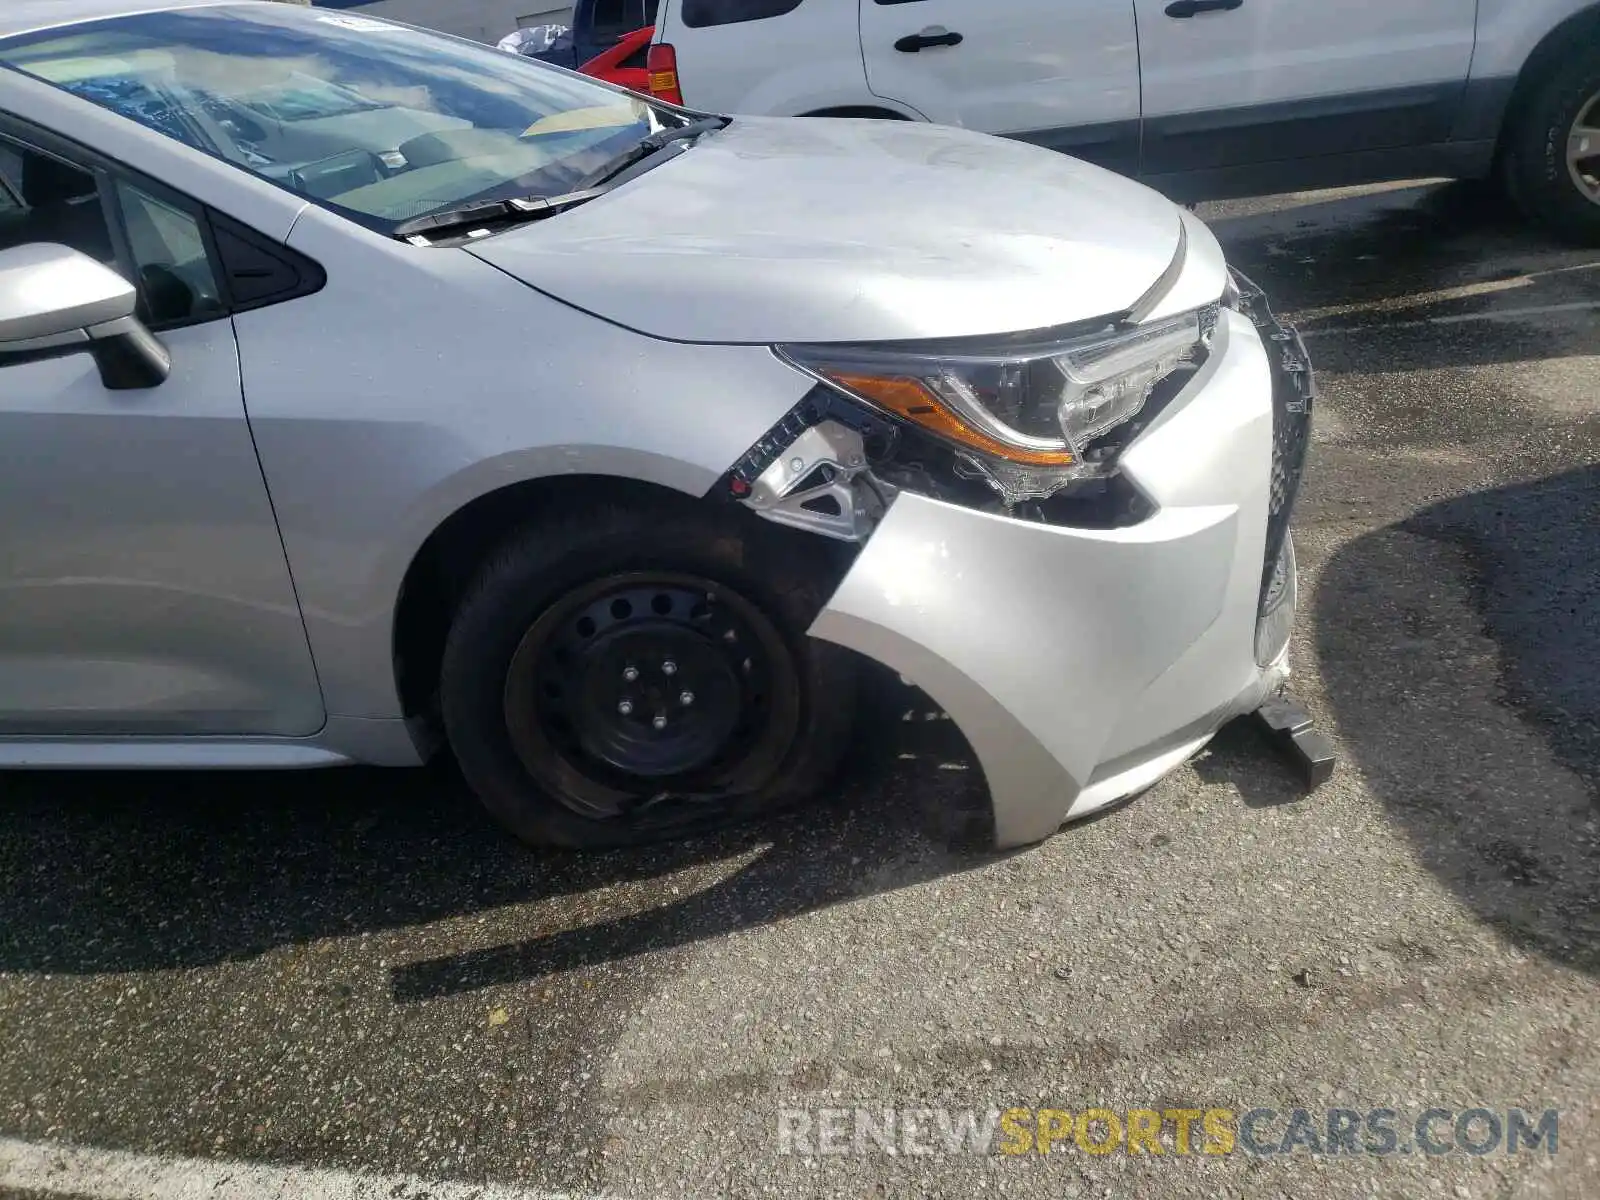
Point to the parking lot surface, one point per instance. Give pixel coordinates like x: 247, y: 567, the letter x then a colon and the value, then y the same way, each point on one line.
x: 354, y: 982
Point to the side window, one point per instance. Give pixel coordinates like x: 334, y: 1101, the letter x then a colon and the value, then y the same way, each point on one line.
x: 615, y: 18
x: 56, y: 201
x: 698, y: 14
x: 59, y: 203
x: 610, y: 20
x: 176, y: 280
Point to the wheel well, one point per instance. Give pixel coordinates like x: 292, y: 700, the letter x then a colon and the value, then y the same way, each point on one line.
x: 1561, y: 41
x: 867, y: 111
x: 446, y: 564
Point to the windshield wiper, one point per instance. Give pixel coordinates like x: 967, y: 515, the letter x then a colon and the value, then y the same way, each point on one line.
x: 484, y: 213
x: 650, y: 144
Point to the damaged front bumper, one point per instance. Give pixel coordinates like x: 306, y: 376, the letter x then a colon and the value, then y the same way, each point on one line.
x: 1082, y: 664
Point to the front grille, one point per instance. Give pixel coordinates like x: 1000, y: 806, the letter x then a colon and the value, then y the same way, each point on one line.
x: 1294, y: 394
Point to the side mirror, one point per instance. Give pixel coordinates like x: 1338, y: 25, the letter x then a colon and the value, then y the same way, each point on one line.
x: 56, y: 301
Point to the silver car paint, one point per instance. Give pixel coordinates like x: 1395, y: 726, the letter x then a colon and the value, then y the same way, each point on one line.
x: 1062, y: 652
x: 471, y: 381
x: 783, y: 230
x: 78, y: 292
x: 436, y: 379
x: 145, y: 588
x: 1203, y: 278
x: 1080, y: 664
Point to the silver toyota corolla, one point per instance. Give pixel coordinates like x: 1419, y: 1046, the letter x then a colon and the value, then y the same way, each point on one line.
x: 363, y: 390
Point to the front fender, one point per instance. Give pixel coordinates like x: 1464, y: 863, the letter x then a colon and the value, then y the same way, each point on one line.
x: 435, y: 379
x: 1509, y: 32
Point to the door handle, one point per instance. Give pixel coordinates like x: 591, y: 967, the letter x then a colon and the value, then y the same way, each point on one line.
x: 934, y: 35
x: 1184, y: 9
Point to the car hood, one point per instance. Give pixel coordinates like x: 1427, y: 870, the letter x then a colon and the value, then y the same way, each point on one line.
x: 777, y: 230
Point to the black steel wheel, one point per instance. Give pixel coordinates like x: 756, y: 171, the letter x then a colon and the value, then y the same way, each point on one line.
x: 622, y: 677
x: 672, y: 679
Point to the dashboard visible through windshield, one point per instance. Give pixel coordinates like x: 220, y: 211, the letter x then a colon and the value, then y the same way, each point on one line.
x: 380, y: 121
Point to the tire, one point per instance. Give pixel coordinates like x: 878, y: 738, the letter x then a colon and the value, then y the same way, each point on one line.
x: 534, y: 677
x: 1534, y: 161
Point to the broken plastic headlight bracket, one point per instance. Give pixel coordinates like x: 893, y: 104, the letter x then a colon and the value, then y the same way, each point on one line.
x: 812, y: 470
x: 821, y: 483
x: 820, y: 487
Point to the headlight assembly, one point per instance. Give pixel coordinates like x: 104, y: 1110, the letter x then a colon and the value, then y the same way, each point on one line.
x: 1024, y: 416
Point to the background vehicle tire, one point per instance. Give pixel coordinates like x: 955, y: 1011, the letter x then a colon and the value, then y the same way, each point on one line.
x: 1550, y: 168
x: 613, y: 678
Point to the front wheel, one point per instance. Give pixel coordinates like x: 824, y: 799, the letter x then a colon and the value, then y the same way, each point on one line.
x: 622, y: 679
x: 1551, y: 159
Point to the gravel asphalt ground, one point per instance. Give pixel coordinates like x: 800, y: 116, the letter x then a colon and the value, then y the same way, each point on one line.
x: 353, y: 972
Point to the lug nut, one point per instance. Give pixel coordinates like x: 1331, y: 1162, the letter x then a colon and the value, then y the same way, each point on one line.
x: 659, y: 721
x: 686, y: 699
x: 669, y: 667
x: 626, y: 708
x: 629, y: 674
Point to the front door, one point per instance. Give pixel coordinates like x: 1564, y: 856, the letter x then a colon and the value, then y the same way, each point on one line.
x: 1062, y: 73
x: 143, y: 586
x: 1230, y: 83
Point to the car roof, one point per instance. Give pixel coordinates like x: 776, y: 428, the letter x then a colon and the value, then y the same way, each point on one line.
x: 26, y: 16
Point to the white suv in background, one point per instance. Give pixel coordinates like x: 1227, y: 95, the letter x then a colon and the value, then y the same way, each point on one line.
x: 1201, y: 98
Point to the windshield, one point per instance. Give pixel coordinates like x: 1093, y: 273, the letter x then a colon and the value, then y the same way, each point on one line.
x: 382, y: 122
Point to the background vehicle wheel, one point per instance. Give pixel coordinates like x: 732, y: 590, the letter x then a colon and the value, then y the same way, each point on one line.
x: 613, y: 679
x: 1551, y: 159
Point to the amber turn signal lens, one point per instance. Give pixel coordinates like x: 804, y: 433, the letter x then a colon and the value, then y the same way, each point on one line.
x: 910, y: 399
x: 661, y: 61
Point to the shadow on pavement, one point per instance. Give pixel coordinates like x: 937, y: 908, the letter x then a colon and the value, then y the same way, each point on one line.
x: 111, y: 872
x: 1461, y: 653
x: 1242, y: 755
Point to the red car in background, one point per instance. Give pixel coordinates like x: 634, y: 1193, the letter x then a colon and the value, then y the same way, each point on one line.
x: 627, y: 63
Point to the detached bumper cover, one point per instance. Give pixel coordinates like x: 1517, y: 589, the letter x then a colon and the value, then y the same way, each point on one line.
x: 1083, y: 664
